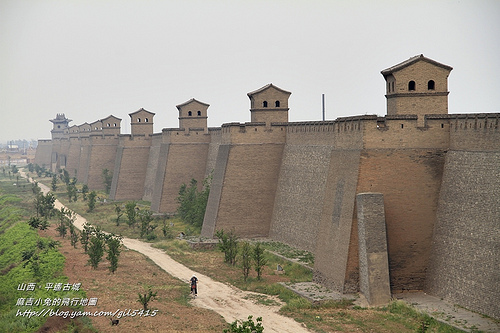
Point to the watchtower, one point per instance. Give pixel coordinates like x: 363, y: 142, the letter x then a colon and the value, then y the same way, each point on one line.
x: 193, y: 114
x: 417, y: 86
x: 141, y: 122
x: 60, y: 126
x: 269, y: 104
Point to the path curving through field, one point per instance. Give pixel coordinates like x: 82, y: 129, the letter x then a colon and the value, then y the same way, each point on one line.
x: 230, y: 302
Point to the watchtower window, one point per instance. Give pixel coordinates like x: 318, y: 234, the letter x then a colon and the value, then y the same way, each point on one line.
x: 115, y: 124
x: 190, y: 113
x: 392, y: 83
x: 138, y: 120
x: 264, y: 104
x: 277, y: 104
x: 108, y: 125
x: 411, y: 85
x: 146, y: 120
x: 430, y: 85
x: 199, y: 113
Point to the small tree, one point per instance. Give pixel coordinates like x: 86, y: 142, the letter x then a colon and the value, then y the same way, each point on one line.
x: 113, y: 249
x: 259, y: 260
x: 92, y: 201
x: 247, y: 326
x: 85, y: 236
x: 54, y: 183
x: 73, y: 234
x: 131, y: 213
x: 167, y: 230
x: 228, y: 243
x: 119, y: 213
x: 146, y: 216
x: 85, y: 190
x: 107, y: 178
x: 44, y: 204
x: 146, y: 298
x: 95, y: 250
x: 246, y: 259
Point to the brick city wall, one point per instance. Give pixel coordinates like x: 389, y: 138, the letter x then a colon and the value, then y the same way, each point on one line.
x: 464, y: 264
x: 73, y: 157
x: 152, y: 167
x: 129, y: 173
x: 102, y: 156
x: 184, y: 155
x: 43, y: 153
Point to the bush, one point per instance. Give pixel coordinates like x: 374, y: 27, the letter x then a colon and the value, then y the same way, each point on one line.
x: 247, y: 326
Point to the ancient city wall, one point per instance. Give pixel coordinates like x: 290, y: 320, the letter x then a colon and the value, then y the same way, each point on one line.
x: 213, y: 148
x: 73, y: 156
x: 186, y: 159
x: 43, y: 153
x: 303, y: 178
x: 245, y: 180
x: 152, y: 168
x: 475, y: 132
x: 129, y: 173
x: 83, y: 164
x: 102, y: 155
x: 334, y: 233
x: 464, y: 266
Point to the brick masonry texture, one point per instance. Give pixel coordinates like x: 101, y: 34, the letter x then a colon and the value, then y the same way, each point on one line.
x: 297, y: 182
x: 464, y: 266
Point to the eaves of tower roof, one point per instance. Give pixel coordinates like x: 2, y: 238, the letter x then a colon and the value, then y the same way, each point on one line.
x: 141, y: 110
x: 267, y: 86
x: 191, y: 101
x: 411, y: 61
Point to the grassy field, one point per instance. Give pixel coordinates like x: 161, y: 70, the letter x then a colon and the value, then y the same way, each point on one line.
x: 341, y: 316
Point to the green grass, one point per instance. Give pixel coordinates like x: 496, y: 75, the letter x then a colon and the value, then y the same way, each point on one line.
x: 16, y: 237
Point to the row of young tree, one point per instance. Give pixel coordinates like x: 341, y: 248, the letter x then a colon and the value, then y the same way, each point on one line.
x: 249, y: 255
x: 94, y: 241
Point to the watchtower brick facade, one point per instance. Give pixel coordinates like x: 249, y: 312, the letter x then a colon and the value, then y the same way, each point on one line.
x: 141, y: 122
x: 269, y: 104
x: 417, y: 86
x: 111, y: 125
x: 193, y: 115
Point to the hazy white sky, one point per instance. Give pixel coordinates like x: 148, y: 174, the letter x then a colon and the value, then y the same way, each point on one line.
x: 92, y: 58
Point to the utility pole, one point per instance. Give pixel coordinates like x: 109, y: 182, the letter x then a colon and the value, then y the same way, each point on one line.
x: 323, y: 104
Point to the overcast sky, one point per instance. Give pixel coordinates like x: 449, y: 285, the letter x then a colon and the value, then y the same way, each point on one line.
x: 90, y: 59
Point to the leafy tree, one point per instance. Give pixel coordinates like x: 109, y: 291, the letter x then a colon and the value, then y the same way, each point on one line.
x: 246, y: 259
x: 54, y: 183
x: 35, y: 188
x: 66, y: 219
x: 146, y: 298
x: 85, y: 190
x: 92, y: 201
x: 64, y: 175
x: 193, y: 203
x: 131, y: 213
x: 114, y: 244
x: 15, y: 169
x: 228, y: 243
x: 247, y: 326
x: 259, y: 260
x: 31, y: 167
x: 147, y: 229
x: 167, y: 231
x: 44, y: 204
x: 107, y: 178
x: 95, y: 250
x: 85, y: 236
x: 119, y: 213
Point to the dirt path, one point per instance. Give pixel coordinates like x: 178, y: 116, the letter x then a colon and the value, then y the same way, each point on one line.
x: 224, y: 299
